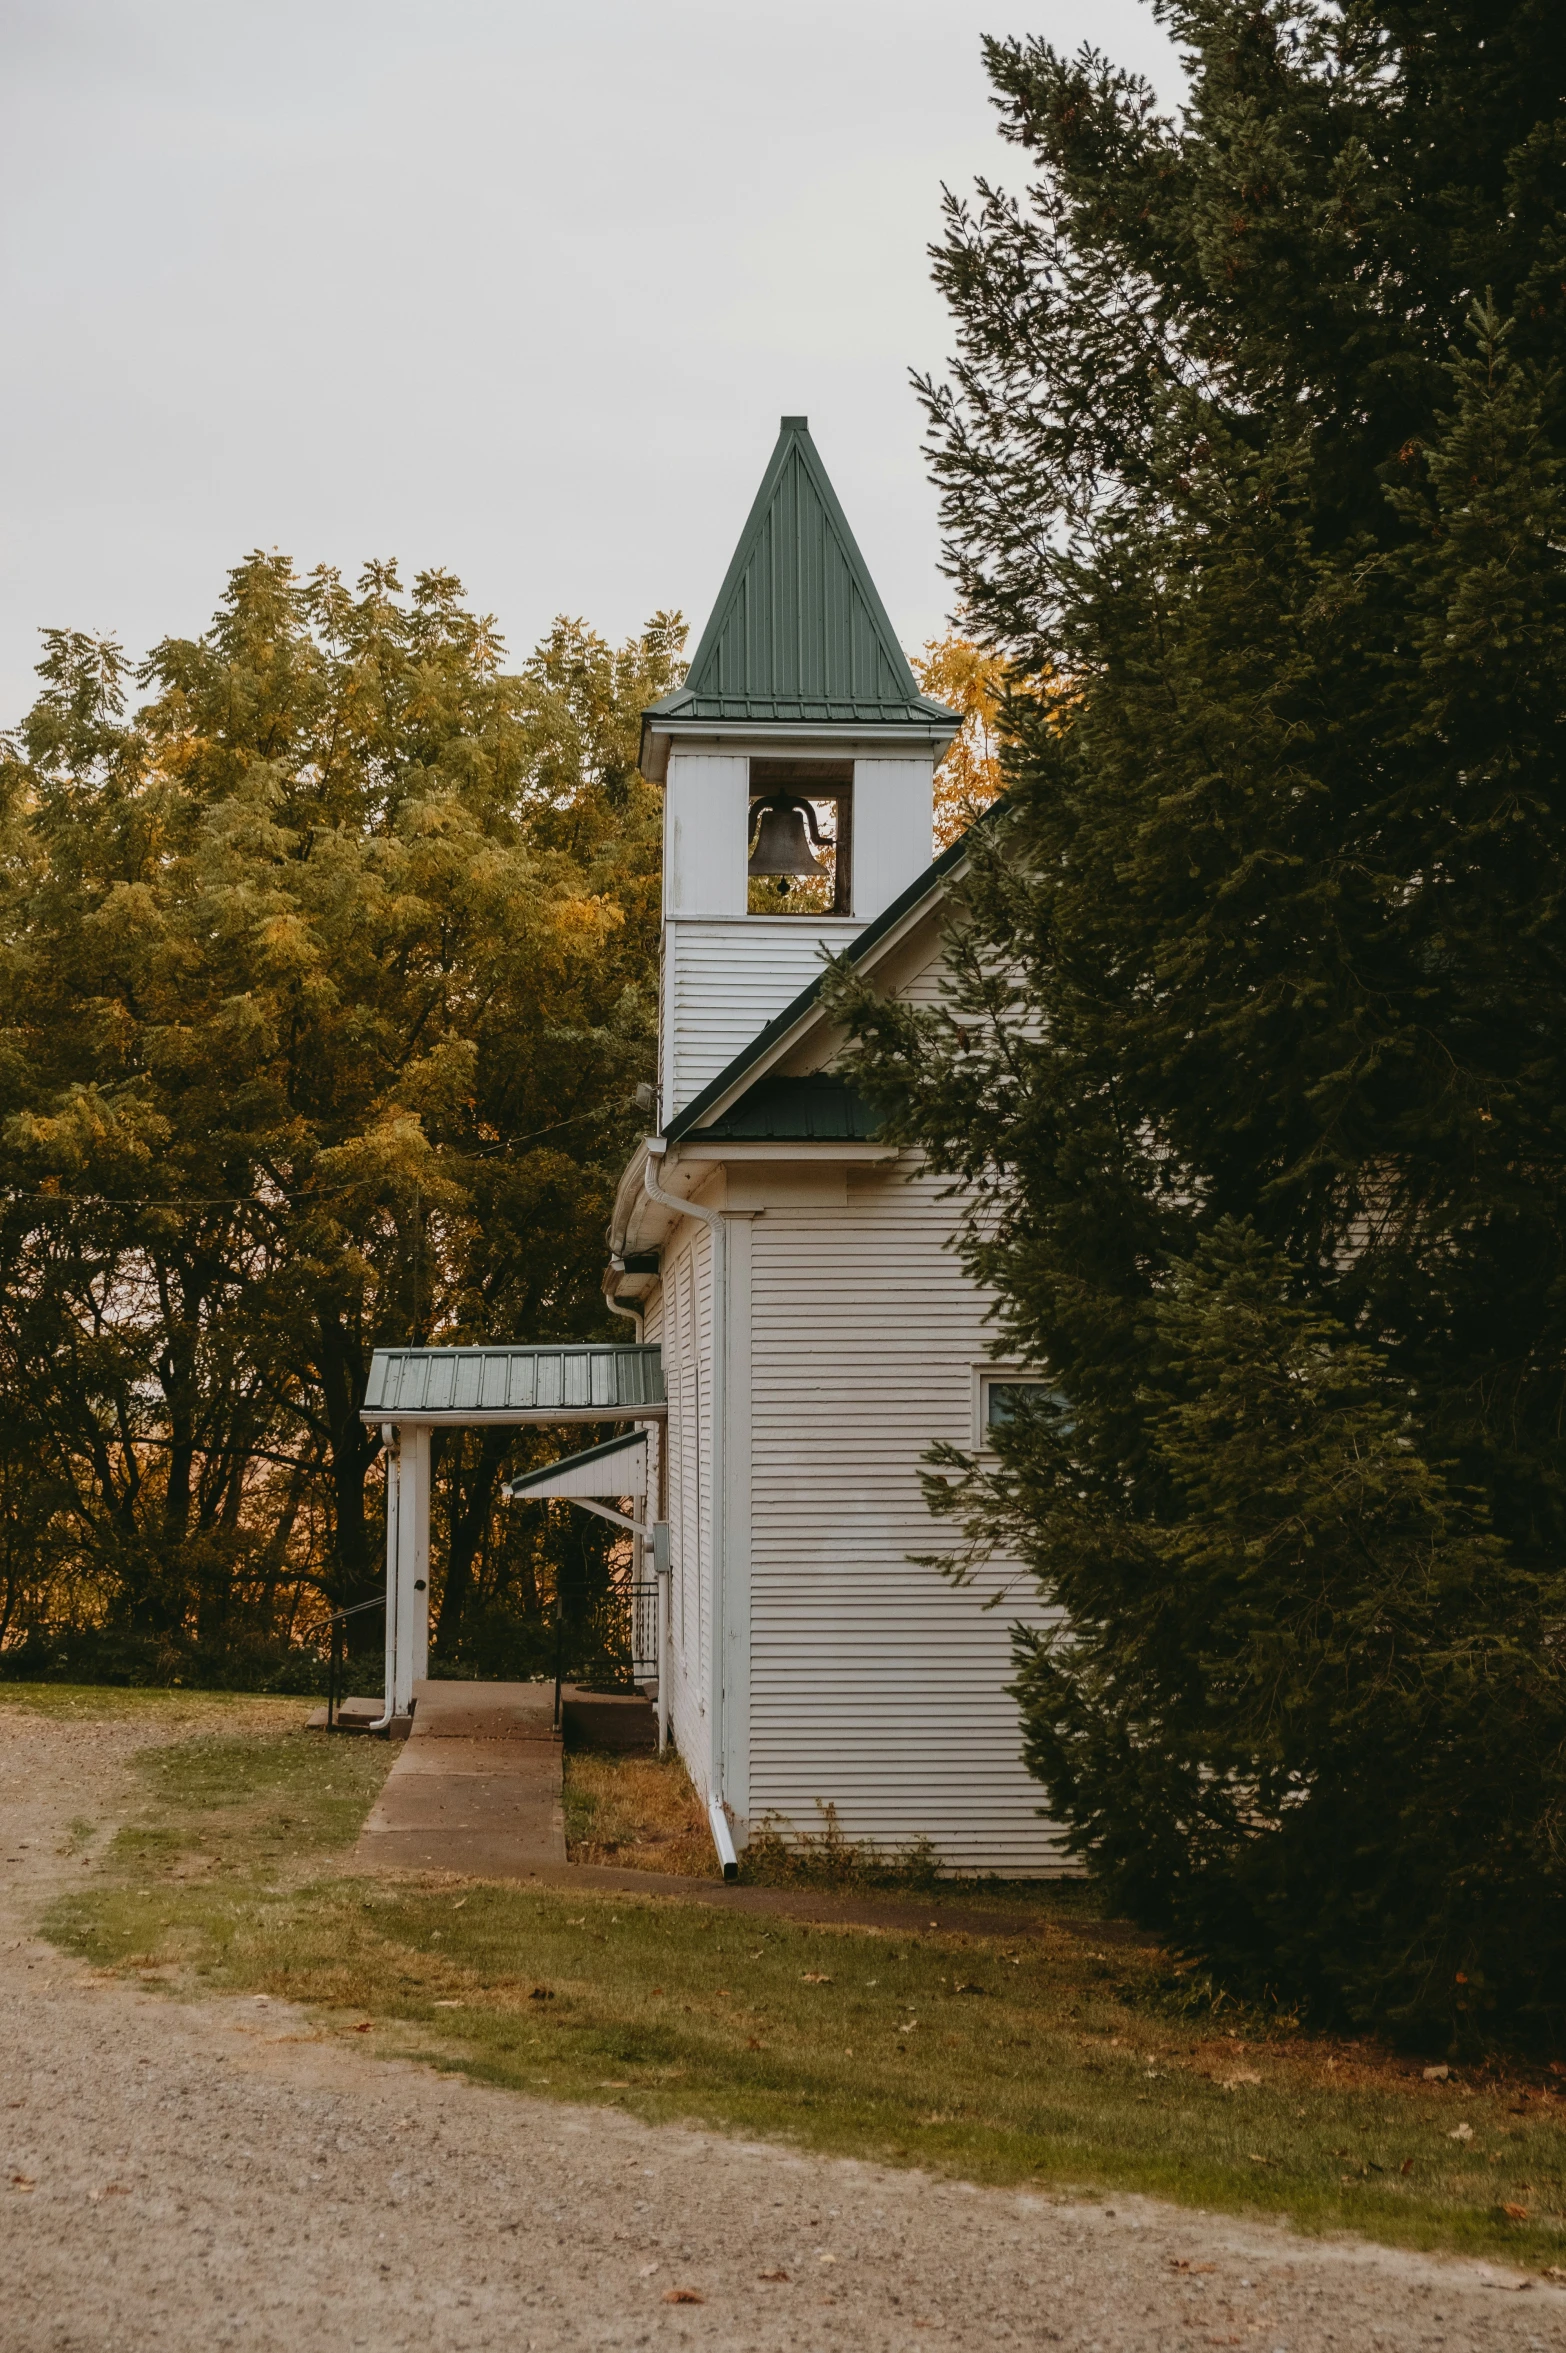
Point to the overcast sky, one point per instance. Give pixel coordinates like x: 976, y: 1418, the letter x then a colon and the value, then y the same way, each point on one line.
x: 516, y: 289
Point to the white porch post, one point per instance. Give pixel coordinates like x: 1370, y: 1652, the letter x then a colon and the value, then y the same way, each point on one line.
x: 391, y: 1438
x: 410, y: 1638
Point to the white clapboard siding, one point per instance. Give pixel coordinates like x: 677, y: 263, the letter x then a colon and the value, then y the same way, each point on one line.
x: 683, y: 1313
x: 927, y: 985
x: 875, y: 1686
x: 722, y: 982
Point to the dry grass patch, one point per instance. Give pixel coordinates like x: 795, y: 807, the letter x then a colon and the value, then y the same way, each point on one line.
x: 158, y: 1708
x: 640, y: 1813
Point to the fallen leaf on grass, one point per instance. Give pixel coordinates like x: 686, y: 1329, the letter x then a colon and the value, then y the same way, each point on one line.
x: 753, y: 2045
x: 1437, y: 2074
x: 809, y: 1977
x: 1255, y: 2160
x: 363, y: 2026
x: 1241, y: 2075
x: 1407, y: 2165
x: 1461, y: 2132
x: 772, y: 2275
x: 615, y: 2083
x: 1515, y: 2213
x: 683, y: 2296
x: 22, y: 2181
x: 445, y: 2006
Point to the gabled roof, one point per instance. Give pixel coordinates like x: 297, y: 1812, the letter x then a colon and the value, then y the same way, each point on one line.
x: 923, y: 886
x: 798, y: 635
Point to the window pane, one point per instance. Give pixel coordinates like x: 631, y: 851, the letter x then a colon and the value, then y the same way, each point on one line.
x: 1006, y: 1401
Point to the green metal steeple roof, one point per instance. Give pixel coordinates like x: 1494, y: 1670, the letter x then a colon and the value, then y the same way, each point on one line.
x: 798, y: 636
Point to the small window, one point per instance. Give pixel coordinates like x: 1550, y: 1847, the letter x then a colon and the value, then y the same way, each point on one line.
x: 798, y: 853
x: 1007, y: 1400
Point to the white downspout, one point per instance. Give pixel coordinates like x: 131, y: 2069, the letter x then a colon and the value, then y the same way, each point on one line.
x: 633, y: 1314
x: 714, y: 1219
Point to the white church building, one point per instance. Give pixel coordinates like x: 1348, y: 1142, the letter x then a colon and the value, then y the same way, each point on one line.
x: 804, y: 1330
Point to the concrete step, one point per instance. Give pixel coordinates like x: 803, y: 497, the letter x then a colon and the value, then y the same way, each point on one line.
x: 620, y: 1720
x: 483, y: 1711
x: 357, y: 1715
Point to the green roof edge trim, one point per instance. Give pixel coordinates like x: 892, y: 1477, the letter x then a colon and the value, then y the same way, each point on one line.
x: 921, y: 886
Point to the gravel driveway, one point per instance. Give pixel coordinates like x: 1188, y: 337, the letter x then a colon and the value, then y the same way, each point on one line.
x: 179, y: 2176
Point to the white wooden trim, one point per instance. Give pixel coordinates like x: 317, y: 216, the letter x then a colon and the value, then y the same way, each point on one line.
x: 989, y: 1371
x: 691, y: 1148
x: 706, y: 813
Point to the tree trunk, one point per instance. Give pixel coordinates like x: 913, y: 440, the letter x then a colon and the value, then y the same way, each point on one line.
x: 473, y: 1500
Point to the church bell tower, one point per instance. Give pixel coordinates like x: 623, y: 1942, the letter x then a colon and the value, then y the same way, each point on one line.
x: 797, y: 762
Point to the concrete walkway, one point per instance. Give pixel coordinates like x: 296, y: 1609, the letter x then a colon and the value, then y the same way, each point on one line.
x: 477, y: 1788
x: 477, y: 1791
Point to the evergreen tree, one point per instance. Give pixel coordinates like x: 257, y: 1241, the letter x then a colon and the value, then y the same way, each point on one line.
x: 1254, y: 439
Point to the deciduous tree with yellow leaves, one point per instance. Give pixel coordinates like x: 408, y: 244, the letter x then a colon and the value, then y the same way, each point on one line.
x: 966, y: 678
x: 326, y: 977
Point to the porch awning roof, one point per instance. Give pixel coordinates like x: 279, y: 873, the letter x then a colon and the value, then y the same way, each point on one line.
x: 617, y: 1467
x: 468, y: 1385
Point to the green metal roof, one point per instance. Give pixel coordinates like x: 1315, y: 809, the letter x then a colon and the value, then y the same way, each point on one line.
x: 798, y: 634
x: 504, y: 1384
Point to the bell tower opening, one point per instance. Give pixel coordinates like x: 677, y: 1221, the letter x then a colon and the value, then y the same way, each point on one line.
x: 799, y: 856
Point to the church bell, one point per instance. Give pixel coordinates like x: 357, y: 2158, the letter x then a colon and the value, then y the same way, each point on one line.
x: 781, y: 845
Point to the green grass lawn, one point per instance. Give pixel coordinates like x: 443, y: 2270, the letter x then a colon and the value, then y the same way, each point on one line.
x: 1062, y: 2059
